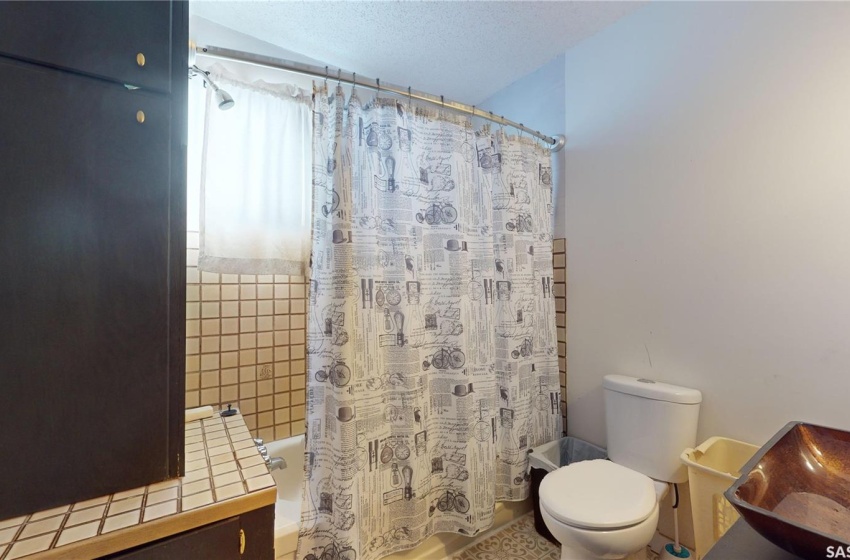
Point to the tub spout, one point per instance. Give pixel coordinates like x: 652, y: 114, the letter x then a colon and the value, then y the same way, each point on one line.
x: 276, y: 463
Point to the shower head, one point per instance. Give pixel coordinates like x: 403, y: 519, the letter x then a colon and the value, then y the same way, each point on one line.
x: 225, y: 102
x: 223, y: 99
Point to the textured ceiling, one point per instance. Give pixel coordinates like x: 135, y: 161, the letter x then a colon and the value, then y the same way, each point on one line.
x: 466, y: 51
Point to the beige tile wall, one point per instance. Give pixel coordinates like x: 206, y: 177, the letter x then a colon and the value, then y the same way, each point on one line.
x: 245, y: 345
x: 559, y: 263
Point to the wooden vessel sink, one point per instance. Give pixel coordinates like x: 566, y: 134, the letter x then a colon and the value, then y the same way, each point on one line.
x: 795, y: 491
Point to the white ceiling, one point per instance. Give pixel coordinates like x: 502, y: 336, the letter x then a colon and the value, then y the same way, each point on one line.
x: 465, y: 50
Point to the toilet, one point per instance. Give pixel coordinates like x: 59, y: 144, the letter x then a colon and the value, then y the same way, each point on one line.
x: 608, y: 509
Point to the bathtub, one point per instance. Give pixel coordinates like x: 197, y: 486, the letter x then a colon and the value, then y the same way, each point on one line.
x: 287, y: 509
x: 287, y: 513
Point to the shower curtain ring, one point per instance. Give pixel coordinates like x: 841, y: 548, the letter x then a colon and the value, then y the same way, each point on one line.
x: 378, y: 81
x: 326, y: 75
x: 339, y: 76
x: 409, y: 97
x: 354, y: 81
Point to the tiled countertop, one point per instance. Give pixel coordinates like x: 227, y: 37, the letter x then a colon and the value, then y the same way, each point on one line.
x: 225, y: 476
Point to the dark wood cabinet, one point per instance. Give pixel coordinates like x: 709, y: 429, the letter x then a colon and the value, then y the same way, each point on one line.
x: 246, y: 537
x: 258, y: 527
x: 102, y: 39
x: 217, y: 541
x: 92, y: 252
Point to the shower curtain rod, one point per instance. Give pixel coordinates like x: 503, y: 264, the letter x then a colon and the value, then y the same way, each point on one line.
x: 555, y: 144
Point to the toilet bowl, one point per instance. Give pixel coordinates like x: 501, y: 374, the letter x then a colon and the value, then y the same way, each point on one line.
x: 600, y: 510
x: 608, y: 510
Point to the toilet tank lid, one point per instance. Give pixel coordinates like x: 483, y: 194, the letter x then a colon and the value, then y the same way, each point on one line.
x: 650, y: 389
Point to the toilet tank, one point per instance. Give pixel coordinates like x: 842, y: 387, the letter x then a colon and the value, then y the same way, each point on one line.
x: 649, y: 424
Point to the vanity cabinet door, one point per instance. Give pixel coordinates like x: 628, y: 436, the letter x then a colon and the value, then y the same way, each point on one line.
x: 258, y: 529
x: 85, y: 337
x: 102, y: 39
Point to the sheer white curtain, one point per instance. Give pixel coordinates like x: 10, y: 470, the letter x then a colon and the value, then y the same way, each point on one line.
x: 254, y: 176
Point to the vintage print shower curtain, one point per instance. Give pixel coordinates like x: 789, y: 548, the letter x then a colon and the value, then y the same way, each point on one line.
x: 431, y: 338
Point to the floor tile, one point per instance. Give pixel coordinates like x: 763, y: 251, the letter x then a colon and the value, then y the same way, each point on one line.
x: 517, y: 541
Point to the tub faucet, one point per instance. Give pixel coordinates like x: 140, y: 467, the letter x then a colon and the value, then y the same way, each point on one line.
x: 275, y: 463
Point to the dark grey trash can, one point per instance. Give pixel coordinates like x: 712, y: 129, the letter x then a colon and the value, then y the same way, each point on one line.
x: 546, y: 458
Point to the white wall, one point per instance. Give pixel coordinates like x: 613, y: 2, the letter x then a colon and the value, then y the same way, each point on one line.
x: 537, y: 101
x: 207, y: 33
x: 708, y: 212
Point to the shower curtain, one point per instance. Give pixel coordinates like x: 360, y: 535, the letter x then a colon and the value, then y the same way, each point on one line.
x: 432, y: 357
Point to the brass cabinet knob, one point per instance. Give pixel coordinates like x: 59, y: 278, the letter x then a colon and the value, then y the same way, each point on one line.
x: 140, y: 59
x: 241, y: 542
x: 140, y: 116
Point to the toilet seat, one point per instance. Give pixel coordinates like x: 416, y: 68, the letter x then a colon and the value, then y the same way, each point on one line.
x: 598, y: 494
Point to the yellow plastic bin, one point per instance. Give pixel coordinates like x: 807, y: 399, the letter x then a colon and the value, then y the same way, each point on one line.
x: 712, y: 468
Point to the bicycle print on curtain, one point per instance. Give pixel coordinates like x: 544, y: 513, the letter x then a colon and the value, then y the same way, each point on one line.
x: 431, y: 326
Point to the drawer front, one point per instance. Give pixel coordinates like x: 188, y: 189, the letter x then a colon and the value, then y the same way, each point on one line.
x: 247, y: 537
x: 126, y: 42
x: 218, y: 541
